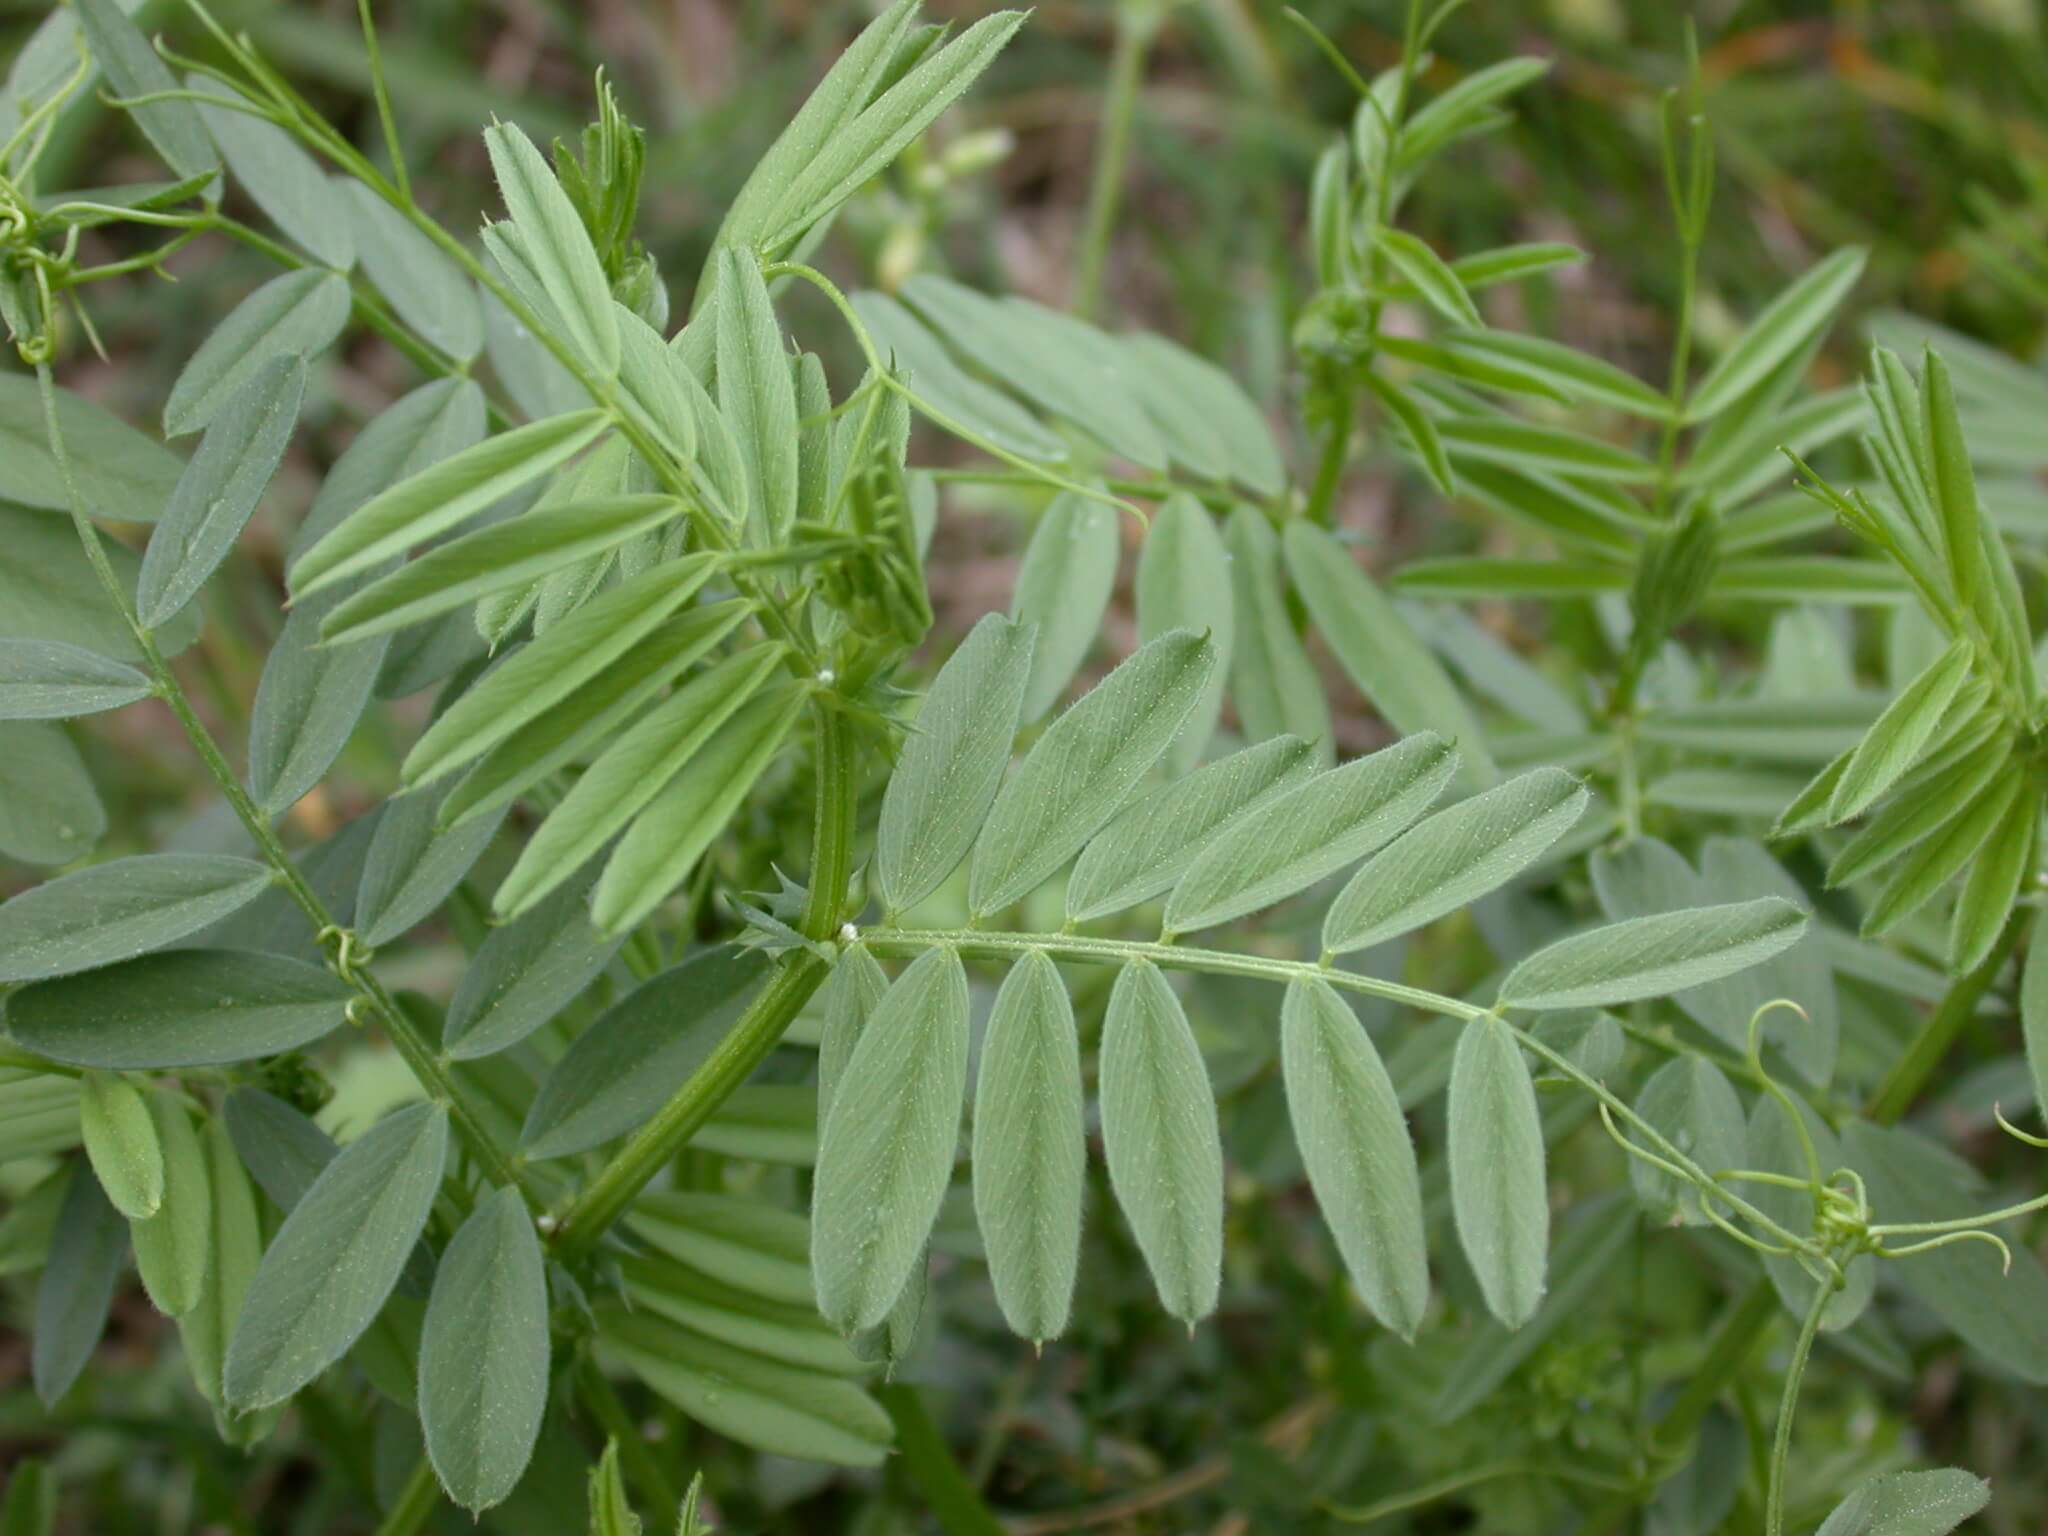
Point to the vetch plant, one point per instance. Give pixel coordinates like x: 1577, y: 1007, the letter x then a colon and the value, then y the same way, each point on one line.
x: 745, y: 997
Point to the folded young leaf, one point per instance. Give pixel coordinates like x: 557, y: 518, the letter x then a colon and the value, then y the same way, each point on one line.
x: 1354, y: 1143
x: 1498, y: 1191
x: 665, y: 841
x: 484, y: 1353
x: 1785, y: 325
x: 1420, y: 429
x: 1653, y: 956
x: 630, y: 773
x: 515, y: 553
x: 1030, y: 1150
x: 120, y: 909
x: 951, y: 766
x: 1936, y: 860
x: 1531, y: 445
x: 554, y: 667
x: 336, y: 1259
x: 1150, y: 846
x: 1953, y: 482
x: 431, y: 501
x: 1901, y: 735
x: 1160, y: 1138
x: 1431, y: 275
x: 1310, y: 832
x: 1453, y: 858
x: 887, y: 1150
x: 1085, y: 767
x: 1993, y: 886
x: 556, y: 245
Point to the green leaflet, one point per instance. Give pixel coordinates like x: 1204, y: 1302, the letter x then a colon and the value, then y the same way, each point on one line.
x: 649, y: 376
x: 30, y: 1505
x: 171, y: 1244
x: 1273, y: 684
x: 1785, y: 325
x: 982, y: 408
x: 1909, y: 1504
x: 1936, y: 860
x: 815, y: 490
x: 665, y: 841
x: 1354, y: 1143
x: 1901, y: 735
x: 283, y: 1150
x: 624, y: 1067
x: 556, y: 245
x: 1419, y: 427
x: 1030, y: 1150
x: 121, y: 473
x: 1064, y: 365
x: 2034, y: 1017
x: 1063, y: 587
x: 77, y: 1285
x: 527, y: 971
x: 133, y: 70
x: 765, y: 1123
x: 1652, y: 956
x: 50, y: 680
x: 49, y: 811
x: 41, y: 1113
x: 120, y: 909
x: 122, y: 1144
x: 428, y: 291
x: 952, y: 763
x: 838, y: 99
x: 752, y: 1247
x: 1695, y: 1109
x: 1085, y: 766
x: 1993, y: 885
x: 1431, y: 275
x: 26, y: 1229
x: 1530, y: 445
x: 543, y: 674
x: 1160, y: 1138
x: 433, y: 500
x: 181, y: 1008
x: 1541, y: 366
x: 1310, y: 832
x: 1148, y: 847
x: 1953, y: 482
x: 630, y: 773
x: 522, y: 550
x: 294, y: 315
x: 1463, y: 109
x: 413, y: 864
x: 593, y: 713
x: 220, y: 488
x: 859, y: 147
x: 886, y: 1153
x: 281, y: 178
x: 611, y: 1512
x: 1379, y: 652
x: 234, y: 1250
x: 1210, y: 425
x: 794, y: 1335
x: 1498, y: 1192
x: 337, y: 1257
x: 850, y: 996
x: 757, y: 394
x: 1453, y: 858
x: 483, y: 1382
x: 1183, y: 582
x: 759, y: 1402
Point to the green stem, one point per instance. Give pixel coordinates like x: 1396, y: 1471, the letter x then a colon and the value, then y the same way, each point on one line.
x: 838, y: 806
x: 1781, y: 1445
x: 730, y: 1064
x: 1136, y: 23
x: 416, y: 1503
x: 929, y: 1462
x: 418, y: 1054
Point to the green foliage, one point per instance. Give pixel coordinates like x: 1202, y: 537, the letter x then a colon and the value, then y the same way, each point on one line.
x: 540, y: 1068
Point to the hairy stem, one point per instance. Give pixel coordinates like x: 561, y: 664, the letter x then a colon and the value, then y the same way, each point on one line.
x: 1781, y: 1444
